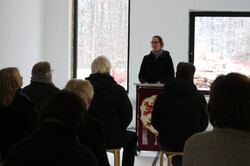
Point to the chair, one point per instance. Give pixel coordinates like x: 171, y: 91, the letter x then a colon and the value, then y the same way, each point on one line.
x: 116, y: 153
x: 170, y: 156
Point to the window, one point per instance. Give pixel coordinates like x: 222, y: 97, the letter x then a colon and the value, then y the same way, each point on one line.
x: 219, y: 44
x: 102, y: 29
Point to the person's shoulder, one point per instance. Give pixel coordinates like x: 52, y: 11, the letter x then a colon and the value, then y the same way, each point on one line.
x: 199, y: 138
x: 166, y: 52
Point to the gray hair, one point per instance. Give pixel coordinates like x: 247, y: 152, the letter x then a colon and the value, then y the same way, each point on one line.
x: 101, y: 65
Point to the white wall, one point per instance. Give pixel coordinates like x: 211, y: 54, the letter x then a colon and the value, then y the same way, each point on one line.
x: 20, y: 34
x: 57, y: 28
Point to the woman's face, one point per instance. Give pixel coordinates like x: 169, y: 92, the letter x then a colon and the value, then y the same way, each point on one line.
x: 155, y: 44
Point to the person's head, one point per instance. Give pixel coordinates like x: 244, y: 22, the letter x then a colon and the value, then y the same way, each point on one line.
x: 229, y: 103
x: 67, y: 108
x: 157, y: 43
x: 82, y: 88
x: 186, y: 71
x: 10, y: 81
x: 42, y: 69
x: 101, y: 64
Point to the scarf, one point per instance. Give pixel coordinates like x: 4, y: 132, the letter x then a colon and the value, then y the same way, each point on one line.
x: 157, y: 53
x: 41, y: 79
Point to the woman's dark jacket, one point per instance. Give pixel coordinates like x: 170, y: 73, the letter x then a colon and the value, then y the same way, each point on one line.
x: 156, y: 69
x: 94, y: 138
x: 50, y: 145
x: 178, y: 113
x: 110, y: 105
x: 17, y: 121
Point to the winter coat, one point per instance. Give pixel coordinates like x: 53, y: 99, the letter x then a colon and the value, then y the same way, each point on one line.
x: 156, y: 69
x: 50, y: 145
x: 17, y: 121
x: 178, y: 113
x: 110, y: 105
x: 94, y: 138
x: 38, y: 92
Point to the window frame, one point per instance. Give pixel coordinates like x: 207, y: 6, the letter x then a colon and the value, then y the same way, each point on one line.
x: 75, y: 41
x: 193, y: 14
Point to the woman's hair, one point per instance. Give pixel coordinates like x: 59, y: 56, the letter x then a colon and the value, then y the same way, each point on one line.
x: 82, y: 88
x: 67, y: 108
x: 229, y: 103
x: 41, y: 68
x: 101, y: 65
x: 160, y: 40
x: 10, y: 81
x: 185, y: 70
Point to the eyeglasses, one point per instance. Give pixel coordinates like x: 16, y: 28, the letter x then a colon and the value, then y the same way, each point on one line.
x: 52, y: 71
x: 154, y: 42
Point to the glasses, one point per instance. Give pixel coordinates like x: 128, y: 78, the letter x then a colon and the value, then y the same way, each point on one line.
x: 154, y: 42
x: 52, y: 71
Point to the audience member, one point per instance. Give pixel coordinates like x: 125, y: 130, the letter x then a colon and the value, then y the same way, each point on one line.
x: 112, y: 106
x: 179, y: 111
x: 41, y: 85
x: 55, y: 142
x: 228, y: 144
x: 17, y: 114
x: 94, y: 135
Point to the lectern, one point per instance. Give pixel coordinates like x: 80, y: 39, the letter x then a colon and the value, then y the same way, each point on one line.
x: 145, y: 98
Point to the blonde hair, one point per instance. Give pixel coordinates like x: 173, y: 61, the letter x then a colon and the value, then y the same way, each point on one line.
x: 10, y: 81
x: 101, y: 65
x: 82, y: 88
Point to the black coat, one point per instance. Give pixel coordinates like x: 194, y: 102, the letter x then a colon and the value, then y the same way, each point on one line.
x: 153, y: 70
x: 94, y: 138
x: 16, y: 121
x: 39, y: 92
x: 179, y: 112
x: 50, y: 145
x: 110, y: 105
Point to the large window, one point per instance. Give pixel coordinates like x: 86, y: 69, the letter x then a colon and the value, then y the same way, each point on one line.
x: 102, y: 29
x: 219, y: 44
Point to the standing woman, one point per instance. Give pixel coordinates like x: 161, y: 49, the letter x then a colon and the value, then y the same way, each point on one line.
x: 17, y: 114
x: 157, y: 67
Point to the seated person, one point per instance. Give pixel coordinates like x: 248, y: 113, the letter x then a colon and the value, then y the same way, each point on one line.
x: 112, y: 106
x: 56, y: 141
x: 18, y: 117
x: 41, y: 85
x: 228, y: 144
x: 93, y: 136
x: 179, y: 111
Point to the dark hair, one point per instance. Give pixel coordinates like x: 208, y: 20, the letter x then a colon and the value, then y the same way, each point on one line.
x: 66, y: 107
x: 185, y: 70
x: 41, y: 68
x: 229, y: 103
x: 160, y: 40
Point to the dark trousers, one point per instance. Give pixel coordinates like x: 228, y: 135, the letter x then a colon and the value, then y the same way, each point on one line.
x: 128, y: 143
x: 176, y: 160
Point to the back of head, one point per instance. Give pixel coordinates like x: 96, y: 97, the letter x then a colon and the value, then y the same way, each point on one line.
x: 185, y: 70
x: 82, y: 88
x: 10, y: 81
x: 67, y: 108
x: 229, y: 103
x: 101, y: 65
x: 41, y: 69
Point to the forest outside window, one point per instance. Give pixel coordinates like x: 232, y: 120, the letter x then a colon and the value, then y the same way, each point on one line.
x: 103, y: 30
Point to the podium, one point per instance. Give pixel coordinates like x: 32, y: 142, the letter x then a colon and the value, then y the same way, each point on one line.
x: 145, y: 98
